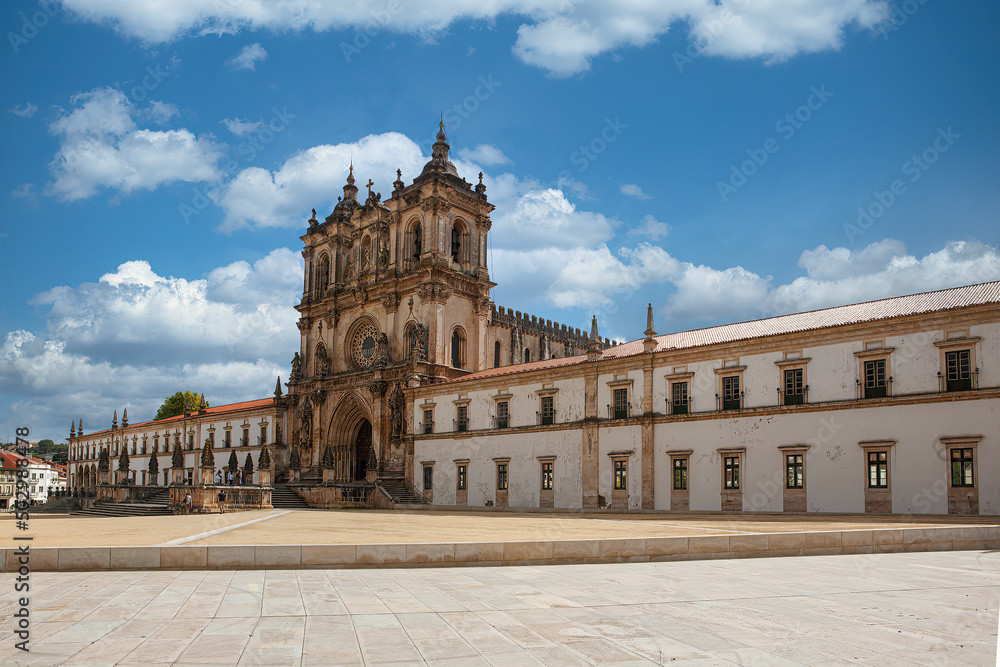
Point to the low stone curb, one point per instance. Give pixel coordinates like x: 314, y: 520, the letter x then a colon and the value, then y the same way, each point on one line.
x: 554, y: 552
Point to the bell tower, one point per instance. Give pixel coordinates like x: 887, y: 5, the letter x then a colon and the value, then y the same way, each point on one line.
x: 395, y: 293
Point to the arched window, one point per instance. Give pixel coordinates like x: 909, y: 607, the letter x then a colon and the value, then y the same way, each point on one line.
x: 527, y: 355
x: 497, y: 348
x: 322, y: 274
x: 322, y: 360
x: 409, y: 340
x: 459, y: 242
x: 414, y: 242
x: 458, y: 348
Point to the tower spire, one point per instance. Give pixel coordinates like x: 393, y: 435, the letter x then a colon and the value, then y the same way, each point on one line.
x: 277, y: 388
x: 114, y: 422
x: 594, y: 346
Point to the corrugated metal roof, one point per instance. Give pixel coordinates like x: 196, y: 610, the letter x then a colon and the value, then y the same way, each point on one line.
x: 868, y: 311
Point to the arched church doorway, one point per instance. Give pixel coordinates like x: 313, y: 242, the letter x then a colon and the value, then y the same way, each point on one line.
x: 362, y: 451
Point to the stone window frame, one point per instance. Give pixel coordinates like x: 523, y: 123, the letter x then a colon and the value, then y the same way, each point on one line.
x: 678, y: 455
x: 617, y: 458
x: 227, y: 440
x: 549, y: 460
x: 871, y: 446
x: 953, y: 442
x: 425, y: 407
x: 502, y: 396
x: 721, y: 375
x: 505, y: 462
x: 969, y: 343
x: 425, y: 466
x: 732, y: 452
x: 874, y: 354
x: 461, y: 476
x: 671, y: 379
x: 543, y: 393
x: 460, y: 403
x: 794, y: 450
x: 620, y: 383
x: 793, y: 364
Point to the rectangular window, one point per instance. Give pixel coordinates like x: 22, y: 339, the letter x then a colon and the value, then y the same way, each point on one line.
x: 731, y: 392
x: 878, y: 470
x: 263, y: 436
x: 793, y: 471
x: 731, y: 467
x: 959, y: 370
x: 961, y: 467
x: 228, y: 441
x: 429, y: 420
x: 277, y: 433
x: 679, y: 398
x: 503, y: 414
x: 501, y: 477
x: 211, y: 437
x: 794, y: 387
x: 245, y: 440
x: 621, y: 474
x: 462, y: 418
x: 428, y: 477
x: 548, y: 409
x: 546, y: 475
x: 620, y: 403
x: 875, y: 384
x: 680, y: 474
x: 156, y: 443
x: 463, y: 477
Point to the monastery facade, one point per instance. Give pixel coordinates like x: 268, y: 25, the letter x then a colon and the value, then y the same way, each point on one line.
x: 409, y: 376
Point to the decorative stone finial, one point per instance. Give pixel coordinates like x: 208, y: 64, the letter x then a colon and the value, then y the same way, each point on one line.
x: 277, y: 388
x: 207, y: 455
x: 264, y: 460
x: 125, y: 418
x: 649, y: 344
x: 398, y: 183
x: 72, y: 429
x: 594, y: 345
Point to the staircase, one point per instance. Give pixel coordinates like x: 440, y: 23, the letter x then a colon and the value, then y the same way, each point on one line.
x: 157, y: 504
x: 400, y: 491
x: 284, y: 498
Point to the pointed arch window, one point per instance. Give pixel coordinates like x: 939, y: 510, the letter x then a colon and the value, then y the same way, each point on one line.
x: 497, y: 348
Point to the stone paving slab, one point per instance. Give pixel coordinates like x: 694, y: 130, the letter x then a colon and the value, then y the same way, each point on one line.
x: 913, y: 608
x: 432, y: 526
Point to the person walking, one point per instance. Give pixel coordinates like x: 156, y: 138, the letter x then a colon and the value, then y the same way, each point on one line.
x: 188, y: 504
x: 222, y: 501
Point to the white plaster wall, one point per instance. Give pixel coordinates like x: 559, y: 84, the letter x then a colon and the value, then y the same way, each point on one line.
x: 523, y: 472
x: 617, y: 439
x: 832, y: 372
x: 987, y: 350
x: 835, y: 464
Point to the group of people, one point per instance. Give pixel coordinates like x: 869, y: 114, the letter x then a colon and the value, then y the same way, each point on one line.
x: 226, y: 476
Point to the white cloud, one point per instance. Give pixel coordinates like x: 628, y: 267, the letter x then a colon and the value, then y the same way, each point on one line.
x: 161, y: 112
x: 650, y: 227
x: 633, y: 190
x: 24, y: 191
x: 248, y: 57
x: 134, y: 337
x: 26, y: 110
x: 561, y: 37
x: 484, y: 154
x: 241, y: 127
x: 102, y: 147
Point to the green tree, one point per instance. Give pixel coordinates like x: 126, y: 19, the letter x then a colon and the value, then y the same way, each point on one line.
x: 174, y: 405
x: 45, y: 444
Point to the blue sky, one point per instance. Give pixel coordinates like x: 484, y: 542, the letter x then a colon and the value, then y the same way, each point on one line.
x: 151, y: 218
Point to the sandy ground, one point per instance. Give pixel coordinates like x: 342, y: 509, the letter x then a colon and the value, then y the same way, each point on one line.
x: 401, y: 527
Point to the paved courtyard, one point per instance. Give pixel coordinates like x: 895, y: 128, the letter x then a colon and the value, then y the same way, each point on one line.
x: 416, y: 527
x: 922, y: 608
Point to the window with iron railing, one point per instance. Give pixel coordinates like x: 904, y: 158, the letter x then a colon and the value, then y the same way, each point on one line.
x: 462, y: 418
x: 502, y: 418
x: 876, y: 384
x: 958, y: 370
x: 678, y: 403
x: 731, y: 398
x: 619, y: 408
x: 428, y: 421
x: 794, y: 389
x: 548, y: 412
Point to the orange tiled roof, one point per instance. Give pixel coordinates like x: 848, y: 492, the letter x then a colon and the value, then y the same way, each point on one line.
x: 868, y: 311
x: 231, y: 407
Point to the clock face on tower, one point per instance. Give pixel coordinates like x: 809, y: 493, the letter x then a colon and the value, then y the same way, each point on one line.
x: 363, y: 345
